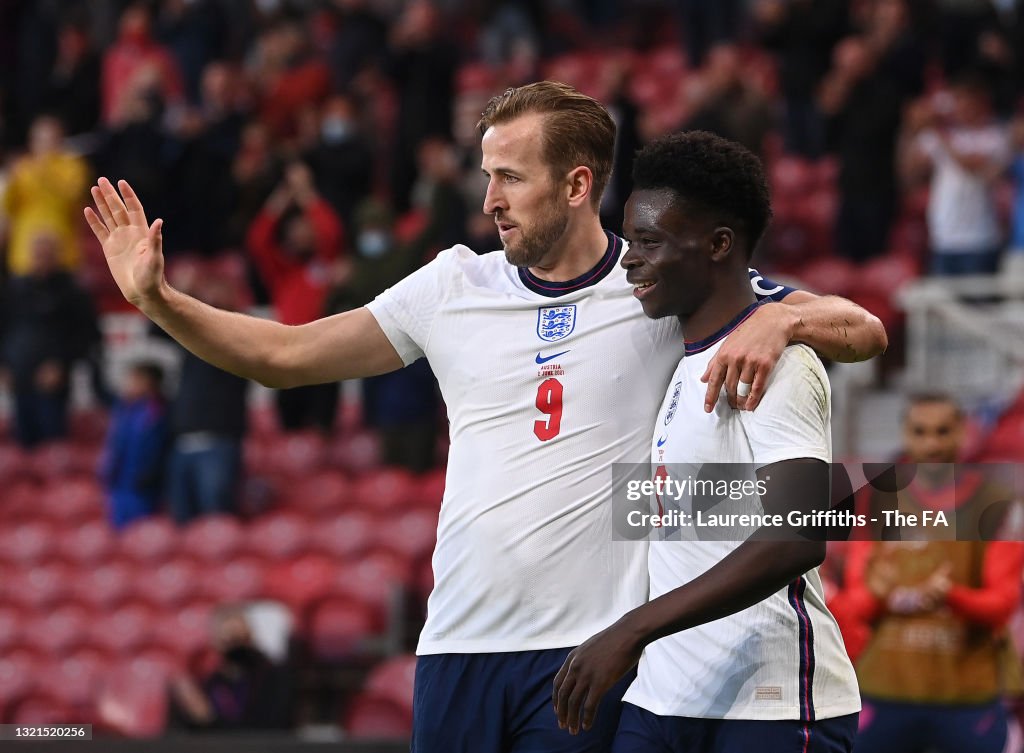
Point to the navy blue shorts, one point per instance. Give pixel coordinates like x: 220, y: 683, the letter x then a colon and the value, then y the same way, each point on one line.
x: 887, y: 727
x: 501, y: 703
x: 641, y: 731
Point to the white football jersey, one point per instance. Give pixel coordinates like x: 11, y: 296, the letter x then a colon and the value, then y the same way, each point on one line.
x: 547, y: 385
x: 784, y: 657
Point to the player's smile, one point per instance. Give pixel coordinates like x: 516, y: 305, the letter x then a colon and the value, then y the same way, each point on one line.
x: 664, y: 263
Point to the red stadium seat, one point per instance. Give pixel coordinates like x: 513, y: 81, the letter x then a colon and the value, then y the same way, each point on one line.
x: 150, y: 540
x: 186, y: 631
x: 73, y: 678
x: 385, y: 490
x: 392, y: 680
x: 132, y: 700
x: 239, y: 580
x: 297, y: 455
x: 125, y: 630
x: 278, y: 535
x: 38, y: 709
x: 792, y: 176
x: 107, y: 585
x: 370, y: 718
x: 344, y: 536
x: 886, y: 275
x: 374, y: 580
x: 216, y: 538
x: 27, y: 544
x: 832, y: 275
x: 58, y: 632
x: 19, y: 674
x: 15, y: 465
x: 90, y: 427
x: 429, y: 489
x: 324, y: 493
x: 411, y: 534
x: 40, y: 586
x: 338, y: 628
x: 73, y: 499
x: 302, y: 581
x: 20, y: 503
x: 87, y: 544
x: 13, y: 624
x: 171, y: 584
x: 356, y: 453
x: 54, y: 460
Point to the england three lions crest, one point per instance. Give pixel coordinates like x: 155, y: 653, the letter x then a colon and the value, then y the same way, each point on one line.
x: 555, y: 322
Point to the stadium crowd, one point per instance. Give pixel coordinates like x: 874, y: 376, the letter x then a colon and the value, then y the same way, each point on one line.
x: 305, y: 155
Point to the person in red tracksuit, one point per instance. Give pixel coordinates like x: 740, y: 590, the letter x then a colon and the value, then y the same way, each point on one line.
x: 293, y: 242
x: 937, y: 661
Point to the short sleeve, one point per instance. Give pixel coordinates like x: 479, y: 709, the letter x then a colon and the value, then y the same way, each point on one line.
x: 406, y: 311
x: 793, y: 419
x: 766, y: 290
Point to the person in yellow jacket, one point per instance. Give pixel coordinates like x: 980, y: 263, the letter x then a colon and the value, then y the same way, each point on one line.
x: 43, y: 195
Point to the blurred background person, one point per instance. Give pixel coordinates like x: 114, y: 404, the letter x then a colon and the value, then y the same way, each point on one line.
x: 245, y: 691
x: 933, y: 671
x: 963, y: 151
x: 47, y: 324
x: 135, y: 55
x: 135, y: 455
x: 402, y: 405
x: 293, y: 241
x: 208, y: 421
x: 44, y: 196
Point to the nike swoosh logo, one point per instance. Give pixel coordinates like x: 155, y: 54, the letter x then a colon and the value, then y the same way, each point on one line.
x: 662, y: 441
x: 542, y: 359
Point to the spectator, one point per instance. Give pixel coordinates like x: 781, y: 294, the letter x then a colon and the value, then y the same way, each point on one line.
x: 422, y: 65
x: 136, y: 55
x: 208, y: 424
x: 342, y: 160
x: 136, y: 447
x: 873, y: 75
x: 194, y: 34
x: 209, y: 137
x: 439, y: 194
x: 44, y: 197
x: 964, y: 151
x: 802, y: 33
x: 47, y: 323
x: 359, y: 44
x: 290, y: 78
x: 931, y: 672
x: 245, y: 692
x: 707, y: 25
x: 72, y: 92
x: 293, y: 241
x: 402, y: 405
x: 728, y: 104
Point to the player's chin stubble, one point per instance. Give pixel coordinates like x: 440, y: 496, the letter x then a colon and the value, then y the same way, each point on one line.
x: 533, y: 245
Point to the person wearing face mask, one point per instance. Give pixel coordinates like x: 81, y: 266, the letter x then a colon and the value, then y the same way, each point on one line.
x: 401, y: 405
x: 342, y: 160
x: 245, y: 691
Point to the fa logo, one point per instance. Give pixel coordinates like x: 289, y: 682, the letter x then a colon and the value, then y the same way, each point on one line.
x: 555, y: 322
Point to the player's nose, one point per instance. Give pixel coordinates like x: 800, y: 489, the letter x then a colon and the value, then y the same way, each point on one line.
x: 494, y: 200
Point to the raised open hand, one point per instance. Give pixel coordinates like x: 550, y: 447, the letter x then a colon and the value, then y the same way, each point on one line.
x: 133, y: 248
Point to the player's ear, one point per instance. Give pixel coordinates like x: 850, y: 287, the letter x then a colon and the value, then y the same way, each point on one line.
x: 581, y: 183
x: 723, y: 241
